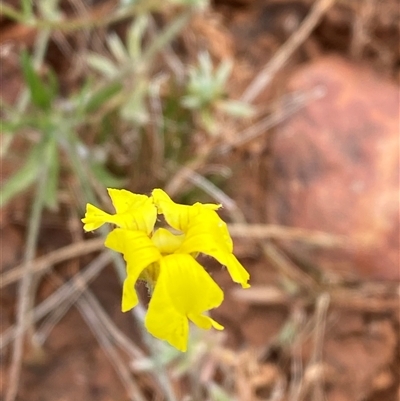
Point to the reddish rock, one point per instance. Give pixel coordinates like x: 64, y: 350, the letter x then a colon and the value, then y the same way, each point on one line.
x: 335, y: 168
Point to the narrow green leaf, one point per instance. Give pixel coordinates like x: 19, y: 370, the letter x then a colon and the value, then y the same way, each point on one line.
x: 102, y: 65
x: 117, y: 48
x: 135, y: 36
x: 102, y: 96
x: 27, y: 8
x: 24, y: 177
x: 218, y: 393
x: 41, y: 94
x: 105, y: 177
x: 223, y: 72
x: 236, y: 108
x: 52, y: 174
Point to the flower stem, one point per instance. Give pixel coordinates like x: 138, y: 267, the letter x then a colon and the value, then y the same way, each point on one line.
x: 25, y: 287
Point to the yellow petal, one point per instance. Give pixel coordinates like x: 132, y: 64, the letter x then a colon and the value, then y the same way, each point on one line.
x: 176, y: 215
x: 208, y: 236
x: 133, y: 211
x: 235, y: 269
x: 123, y: 200
x: 94, y: 218
x: 205, y: 224
x: 150, y: 275
x: 189, y: 286
x: 183, y: 290
x: 164, y: 322
x: 205, y: 322
x: 129, y: 295
x: 139, y: 252
x: 166, y: 242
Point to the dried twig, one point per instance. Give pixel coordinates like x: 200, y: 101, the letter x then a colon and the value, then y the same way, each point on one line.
x: 287, y: 268
x: 111, y: 329
x: 295, y: 102
x: 268, y: 231
x: 344, y: 298
x: 286, y: 50
x: 298, y: 317
x: 40, y: 265
x: 315, y: 364
x: 121, y: 367
x: 69, y: 291
x: 289, y: 106
x: 26, y: 288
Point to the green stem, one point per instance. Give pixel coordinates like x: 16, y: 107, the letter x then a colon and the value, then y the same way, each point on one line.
x: 120, y: 269
x: 141, y: 68
x: 24, y: 290
x: 167, y: 35
x: 81, y: 23
x: 11, y: 12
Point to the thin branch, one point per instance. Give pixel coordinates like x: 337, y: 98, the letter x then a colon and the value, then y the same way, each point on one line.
x: 40, y: 265
x: 290, y: 106
x: 266, y: 75
x: 295, y: 102
x: 287, y: 268
x: 92, y: 320
x: 69, y: 291
x: 24, y: 317
x: 321, y: 311
x: 268, y: 231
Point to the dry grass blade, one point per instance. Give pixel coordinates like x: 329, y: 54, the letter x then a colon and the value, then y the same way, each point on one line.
x: 113, y: 331
x: 287, y: 268
x: 40, y: 265
x: 215, y: 193
x: 290, y: 106
x: 115, y: 334
x: 69, y: 291
x: 26, y: 288
x: 267, y: 231
x: 106, y: 332
x: 314, y: 372
x: 121, y: 367
x: 262, y: 295
x: 298, y: 317
x: 343, y: 298
x: 364, y: 301
x: 285, y: 51
x: 294, y: 103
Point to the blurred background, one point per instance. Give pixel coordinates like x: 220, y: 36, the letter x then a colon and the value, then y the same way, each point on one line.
x: 284, y: 111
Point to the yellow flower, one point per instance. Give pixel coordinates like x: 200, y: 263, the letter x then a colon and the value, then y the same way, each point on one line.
x: 205, y: 232
x: 182, y: 290
x: 133, y: 212
x: 139, y: 253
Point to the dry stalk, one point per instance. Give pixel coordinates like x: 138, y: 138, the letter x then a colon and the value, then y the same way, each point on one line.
x: 269, y: 231
x: 120, y: 366
x: 26, y: 289
x: 321, y: 311
x: 313, y: 377
x: 266, y: 75
x: 116, y: 335
x: 296, y: 369
x: 290, y: 106
x: 287, y: 268
x: 104, y: 329
x: 68, y: 291
x: 40, y: 265
x: 293, y: 103
x: 343, y: 298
